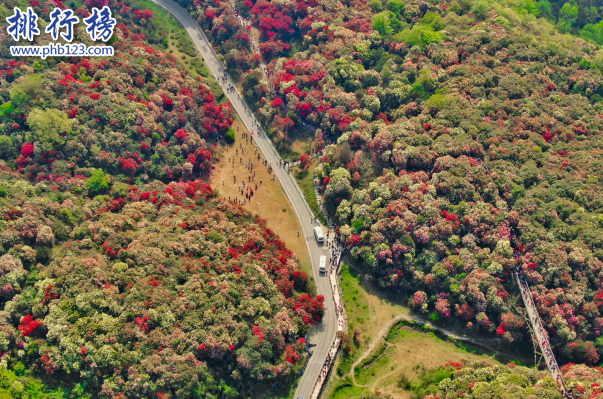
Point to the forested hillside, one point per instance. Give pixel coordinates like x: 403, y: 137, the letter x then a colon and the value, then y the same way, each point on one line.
x: 136, y: 114
x: 121, y: 273
x: 453, y: 133
x: 149, y: 289
x: 571, y: 15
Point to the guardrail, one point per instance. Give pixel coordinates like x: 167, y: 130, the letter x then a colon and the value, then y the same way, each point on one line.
x: 341, y: 325
x: 540, y: 335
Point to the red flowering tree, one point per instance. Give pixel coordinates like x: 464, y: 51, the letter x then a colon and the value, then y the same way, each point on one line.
x: 29, y: 325
x: 305, y: 161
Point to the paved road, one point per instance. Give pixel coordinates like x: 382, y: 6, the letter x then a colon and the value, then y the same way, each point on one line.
x: 329, y: 323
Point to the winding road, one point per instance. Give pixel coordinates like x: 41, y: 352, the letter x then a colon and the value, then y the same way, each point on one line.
x: 328, y: 327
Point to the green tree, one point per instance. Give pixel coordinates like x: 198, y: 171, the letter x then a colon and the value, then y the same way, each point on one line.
x: 382, y: 25
x: 252, y: 86
x: 230, y: 136
x: 7, y: 111
x: 376, y: 6
x: 343, y: 69
x: 99, y: 181
x: 593, y: 32
x: 481, y: 8
x: 394, y: 22
x: 6, y: 147
x: 421, y: 35
x: 339, y: 174
x: 531, y: 6
x: 14, y: 384
x: 396, y: 6
x: 341, y: 189
x: 433, y: 19
x: 440, y: 101
x: 546, y: 10
x: 29, y: 88
x: 47, y: 127
x: 568, y: 16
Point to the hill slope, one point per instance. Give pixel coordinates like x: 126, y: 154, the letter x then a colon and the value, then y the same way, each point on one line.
x: 452, y: 134
x: 121, y: 274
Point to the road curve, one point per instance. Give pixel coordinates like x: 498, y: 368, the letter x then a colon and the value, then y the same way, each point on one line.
x: 328, y: 327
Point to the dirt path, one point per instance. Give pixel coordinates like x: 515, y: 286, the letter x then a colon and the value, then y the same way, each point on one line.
x: 383, y: 377
x: 386, y: 329
x: 374, y: 343
x: 381, y: 334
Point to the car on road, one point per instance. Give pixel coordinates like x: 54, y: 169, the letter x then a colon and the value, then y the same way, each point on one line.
x: 320, y: 236
x: 322, y: 268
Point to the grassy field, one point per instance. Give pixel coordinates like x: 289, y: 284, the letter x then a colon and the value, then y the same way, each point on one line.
x: 367, y: 313
x: 180, y: 45
x: 402, y: 357
x: 305, y: 181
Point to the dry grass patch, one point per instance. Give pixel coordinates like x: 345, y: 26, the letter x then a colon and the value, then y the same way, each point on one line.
x: 301, y: 140
x: 410, y: 353
x: 269, y: 200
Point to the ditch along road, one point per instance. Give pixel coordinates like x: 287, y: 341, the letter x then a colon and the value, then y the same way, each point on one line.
x: 328, y: 327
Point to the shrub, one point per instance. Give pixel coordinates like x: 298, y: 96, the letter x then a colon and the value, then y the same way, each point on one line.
x: 420, y: 35
x: 99, y: 181
x: 382, y: 24
x: 230, y: 136
x: 176, y: 313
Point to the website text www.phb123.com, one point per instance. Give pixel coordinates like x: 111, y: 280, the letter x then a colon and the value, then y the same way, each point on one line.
x: 62, y: 50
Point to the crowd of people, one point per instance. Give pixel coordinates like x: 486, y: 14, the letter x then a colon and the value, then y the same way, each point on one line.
x: 247, y: 188
x: 226, y: 85
x: 334, y: 245
x: 247, y: 192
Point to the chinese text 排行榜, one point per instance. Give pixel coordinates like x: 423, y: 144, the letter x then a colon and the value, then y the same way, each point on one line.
x: 99, y: 25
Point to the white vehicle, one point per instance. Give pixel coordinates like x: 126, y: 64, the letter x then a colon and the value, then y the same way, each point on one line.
x: 322, y: 268
x: 320, y: 237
